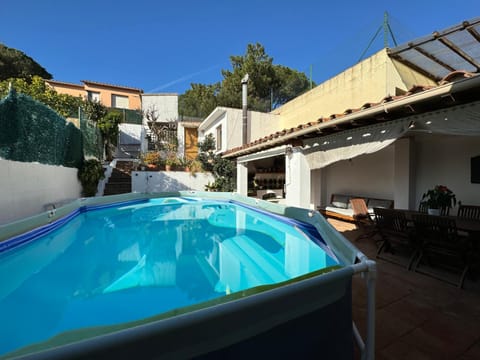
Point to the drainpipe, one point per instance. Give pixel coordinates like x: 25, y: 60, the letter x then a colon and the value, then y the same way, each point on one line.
x: 244, y: 108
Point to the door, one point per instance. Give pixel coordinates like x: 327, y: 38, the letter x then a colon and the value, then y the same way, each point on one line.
x: 191, y: 143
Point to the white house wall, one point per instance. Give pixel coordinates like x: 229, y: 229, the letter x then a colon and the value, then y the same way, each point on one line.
x: 435, y: 160
x: 369, y: 175
x: 445, y: 160
x: 166, y: 105
x: 27, y: 188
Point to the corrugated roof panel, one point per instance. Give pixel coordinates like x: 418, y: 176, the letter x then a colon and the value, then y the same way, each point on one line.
x: 441, y: 53
x: 425, y: 63
x: 447, y: 56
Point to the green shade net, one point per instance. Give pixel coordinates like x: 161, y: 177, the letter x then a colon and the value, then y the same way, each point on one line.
x: 32, y: 132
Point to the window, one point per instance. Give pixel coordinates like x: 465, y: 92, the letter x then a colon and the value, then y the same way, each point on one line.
x: 93, y: 96
x: 219, y: 138
x: 119, y: 101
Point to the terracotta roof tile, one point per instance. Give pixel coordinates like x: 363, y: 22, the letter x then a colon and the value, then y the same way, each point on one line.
x: 112, y: 85
x: 414, y: 90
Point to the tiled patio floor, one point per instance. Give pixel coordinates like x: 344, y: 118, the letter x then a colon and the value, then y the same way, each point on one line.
x: 417, y: 317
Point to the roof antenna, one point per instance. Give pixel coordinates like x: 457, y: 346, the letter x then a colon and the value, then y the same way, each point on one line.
x: 386, y: 31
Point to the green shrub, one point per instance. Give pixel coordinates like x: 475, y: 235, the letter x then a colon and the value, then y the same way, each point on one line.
x: 89, y: 175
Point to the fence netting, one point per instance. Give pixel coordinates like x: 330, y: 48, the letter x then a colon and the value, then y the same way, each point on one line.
x: 32, y: 132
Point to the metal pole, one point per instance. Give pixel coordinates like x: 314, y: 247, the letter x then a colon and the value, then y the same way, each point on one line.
x: 244, y: 108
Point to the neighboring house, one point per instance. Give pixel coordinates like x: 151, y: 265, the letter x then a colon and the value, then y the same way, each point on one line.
x: 226, y: 126
x: 127, y: 100
x: 112, y: 96
x: 165, y: 106
x: 159, y: 108
x: 391, y: 127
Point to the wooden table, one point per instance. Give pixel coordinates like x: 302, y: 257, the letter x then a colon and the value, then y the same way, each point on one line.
x: 472, y: 226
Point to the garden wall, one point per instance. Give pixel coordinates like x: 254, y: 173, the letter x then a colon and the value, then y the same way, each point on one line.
x: 159, y: 181
x: 27, y: 188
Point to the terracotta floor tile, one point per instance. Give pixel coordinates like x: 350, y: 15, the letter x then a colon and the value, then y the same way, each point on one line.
x: 417, y: 317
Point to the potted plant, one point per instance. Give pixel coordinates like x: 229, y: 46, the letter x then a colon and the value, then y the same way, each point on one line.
x: 90, y: 173
x: 185, y: 163
x: 170, y: 162
x: 151, y: 160
x: 438, y: 198
x: 195, y: 166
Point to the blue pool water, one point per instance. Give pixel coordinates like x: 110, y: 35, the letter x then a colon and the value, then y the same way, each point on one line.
x: 121, y: 263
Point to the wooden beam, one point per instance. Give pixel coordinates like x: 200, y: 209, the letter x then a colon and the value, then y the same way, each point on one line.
x: 459, y: 52
x: 433, y: 58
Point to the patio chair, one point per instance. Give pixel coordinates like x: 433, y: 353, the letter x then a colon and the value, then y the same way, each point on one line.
x: 393, y: 227
x: 423, y: 208
x: 441, y: 247
x: 363, y: 218
x: 469, y: 212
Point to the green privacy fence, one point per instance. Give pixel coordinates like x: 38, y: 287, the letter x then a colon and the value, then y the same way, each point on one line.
x: 32, y: 132
x: 92, y: 138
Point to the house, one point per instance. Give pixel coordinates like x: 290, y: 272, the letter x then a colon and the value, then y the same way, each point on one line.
x: 162, y: 109
x: 111, y: 96
x: 391, y: 126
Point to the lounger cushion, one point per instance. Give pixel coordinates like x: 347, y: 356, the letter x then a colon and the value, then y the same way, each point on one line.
x: 341, y: 211
x: 380, y: 203
x: 340, y: 201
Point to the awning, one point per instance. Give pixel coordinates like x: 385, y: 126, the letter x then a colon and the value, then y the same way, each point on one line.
x: 459, y: 120
x: 327, y: 150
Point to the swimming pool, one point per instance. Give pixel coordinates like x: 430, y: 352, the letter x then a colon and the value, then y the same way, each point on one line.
x: 144, y: 271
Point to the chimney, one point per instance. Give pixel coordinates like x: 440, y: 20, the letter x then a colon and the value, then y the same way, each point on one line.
x: 244, y: 108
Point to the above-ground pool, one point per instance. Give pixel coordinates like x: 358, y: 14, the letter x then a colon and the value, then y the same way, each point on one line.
x: 176, y: 276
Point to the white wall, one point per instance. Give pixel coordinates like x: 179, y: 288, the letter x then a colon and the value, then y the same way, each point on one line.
x: 445, y: 160
x: 165, y: 104
x: 297, y: 180
x: 26, y: 188
x: 435, y: 160
x: 369, y: 175
x: 160, y: 181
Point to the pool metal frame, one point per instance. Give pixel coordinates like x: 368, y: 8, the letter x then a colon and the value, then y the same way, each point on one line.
x: 358, y: 264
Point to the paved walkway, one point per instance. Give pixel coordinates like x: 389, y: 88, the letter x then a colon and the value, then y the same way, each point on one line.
x: 417, y: 317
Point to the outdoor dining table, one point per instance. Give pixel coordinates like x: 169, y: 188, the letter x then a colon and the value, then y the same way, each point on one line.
x: 466, y: 225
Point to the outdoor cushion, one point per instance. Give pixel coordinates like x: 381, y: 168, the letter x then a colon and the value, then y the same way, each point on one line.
x: 380, y: 203
x: 341, y: 211
x: 340, y: 201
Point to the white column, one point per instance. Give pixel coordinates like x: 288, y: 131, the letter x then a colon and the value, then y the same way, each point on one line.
x: 242, y: 178
x: 316, y: 191
x: 297, y: 179
x: 404, y: 177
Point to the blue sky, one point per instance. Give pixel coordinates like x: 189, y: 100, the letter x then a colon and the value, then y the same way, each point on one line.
x: 163, y: 46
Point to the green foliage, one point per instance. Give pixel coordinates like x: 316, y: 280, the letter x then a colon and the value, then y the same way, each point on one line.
x: 259, y: 66
x: 94, y: 110
x: 440, y: 197
x: 89, y: 175
x: 199, y: 101
x: 36, y: 88
x: 292, y: 84
x: 16, y: 64
x: 222, y: 169
x: 108, y: 126
x: 269, y: 85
